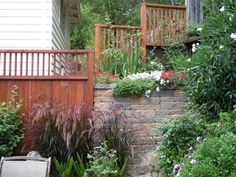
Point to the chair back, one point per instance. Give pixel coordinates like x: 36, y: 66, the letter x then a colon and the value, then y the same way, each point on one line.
x: 23, y: 166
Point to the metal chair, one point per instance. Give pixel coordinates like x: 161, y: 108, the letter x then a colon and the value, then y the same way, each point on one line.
x: 23, y: 166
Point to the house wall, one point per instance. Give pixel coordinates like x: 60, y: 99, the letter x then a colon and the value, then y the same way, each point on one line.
x: 25, y: 24
x: 60, y: 38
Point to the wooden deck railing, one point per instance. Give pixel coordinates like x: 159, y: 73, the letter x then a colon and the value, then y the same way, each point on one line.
x: 123, y: 38
x: 65, y: 75
x: 163, y: 25
x: 45, y: 63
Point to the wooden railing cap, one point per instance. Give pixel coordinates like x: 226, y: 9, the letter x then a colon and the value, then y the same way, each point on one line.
x: 163, y: 6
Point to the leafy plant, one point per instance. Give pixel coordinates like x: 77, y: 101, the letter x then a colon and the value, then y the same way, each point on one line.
x: 178, y: 136
x: 116, y: 130
x: 65, y: 169
x: 193, y: 30
x: 10, y: 121
x: 213, y: 158
x: 134, y: 88
x: 103, y: 163
x: 121, y: 63
x: 59, y: 131
x: 70, y: 167
x: 79, y: 166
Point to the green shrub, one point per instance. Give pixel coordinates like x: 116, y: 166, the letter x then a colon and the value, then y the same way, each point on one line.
x: 225, y: 124
x: 211, y: 84
x: 10, y: 122
x: 129, y: 87
x: 193, y: 30
x: 103, y: 163
x: 213, y: 158
x: 178, y: 136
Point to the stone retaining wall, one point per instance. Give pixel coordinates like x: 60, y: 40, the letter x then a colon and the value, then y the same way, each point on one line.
x: 152, y: 111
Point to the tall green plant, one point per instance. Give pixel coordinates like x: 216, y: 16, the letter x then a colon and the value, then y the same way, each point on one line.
x: 10, y: 121
x: 121, y: 62
x: 210, y: 83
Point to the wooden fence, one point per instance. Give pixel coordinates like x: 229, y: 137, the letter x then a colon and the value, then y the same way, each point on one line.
x: 63, y: 75
x: 123, y: 38
x: 163, y: 25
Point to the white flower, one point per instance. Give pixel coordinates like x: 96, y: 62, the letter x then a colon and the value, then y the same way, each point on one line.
x: 193, y: 161
x: 189, y: 59
x: 233, y: 36
x: 191, y: 148
x: 222, y: 9
x: 162, y: 82
x: 199, y: 138
x: 153, y: 62
x: 199, y: 29
x: 194, y: 48
x: 157, y: 89
x: 147, y: 93
x: 221, y: 47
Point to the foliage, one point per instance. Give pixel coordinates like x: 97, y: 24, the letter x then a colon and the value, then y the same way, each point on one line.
x: 225, y: 124
x: 83, y: 34
x: 213, y: 158
x: 103, y: 163
x: 121, y: 63
x: 134, y: 88
x: 122, y: 12
x: 66, y: 169
x: 59, y: 131
x: 10, y: 122
x: 178, y: 136
x: 116, y: 130
x: 151, y: 65
x: 193, y: 30
x: 70, y: 167
x: 210, y: 86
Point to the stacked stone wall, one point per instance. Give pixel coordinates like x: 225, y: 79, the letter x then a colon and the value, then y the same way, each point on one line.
x: 151, y: 112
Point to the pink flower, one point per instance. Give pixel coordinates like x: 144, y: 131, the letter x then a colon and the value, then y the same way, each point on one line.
x: 234, y: 106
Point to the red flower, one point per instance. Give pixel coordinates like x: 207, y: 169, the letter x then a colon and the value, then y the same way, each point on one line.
x: 104, y: 72
x: 182, y: 76
x: 164, y: 75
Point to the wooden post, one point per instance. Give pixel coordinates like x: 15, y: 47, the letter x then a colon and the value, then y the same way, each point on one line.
x: 185, y: 26
x: 90, y: 74
x: 97, y: 45
x: 144, y: 31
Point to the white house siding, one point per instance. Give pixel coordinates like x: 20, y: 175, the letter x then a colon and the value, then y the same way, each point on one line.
x: 60, y: 39
x: 25, y: 24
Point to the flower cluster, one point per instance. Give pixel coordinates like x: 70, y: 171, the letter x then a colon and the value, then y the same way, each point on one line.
x: 170, y: 74
x: 195, y: 47
x: 155, y: 75
x: 162, y: 78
